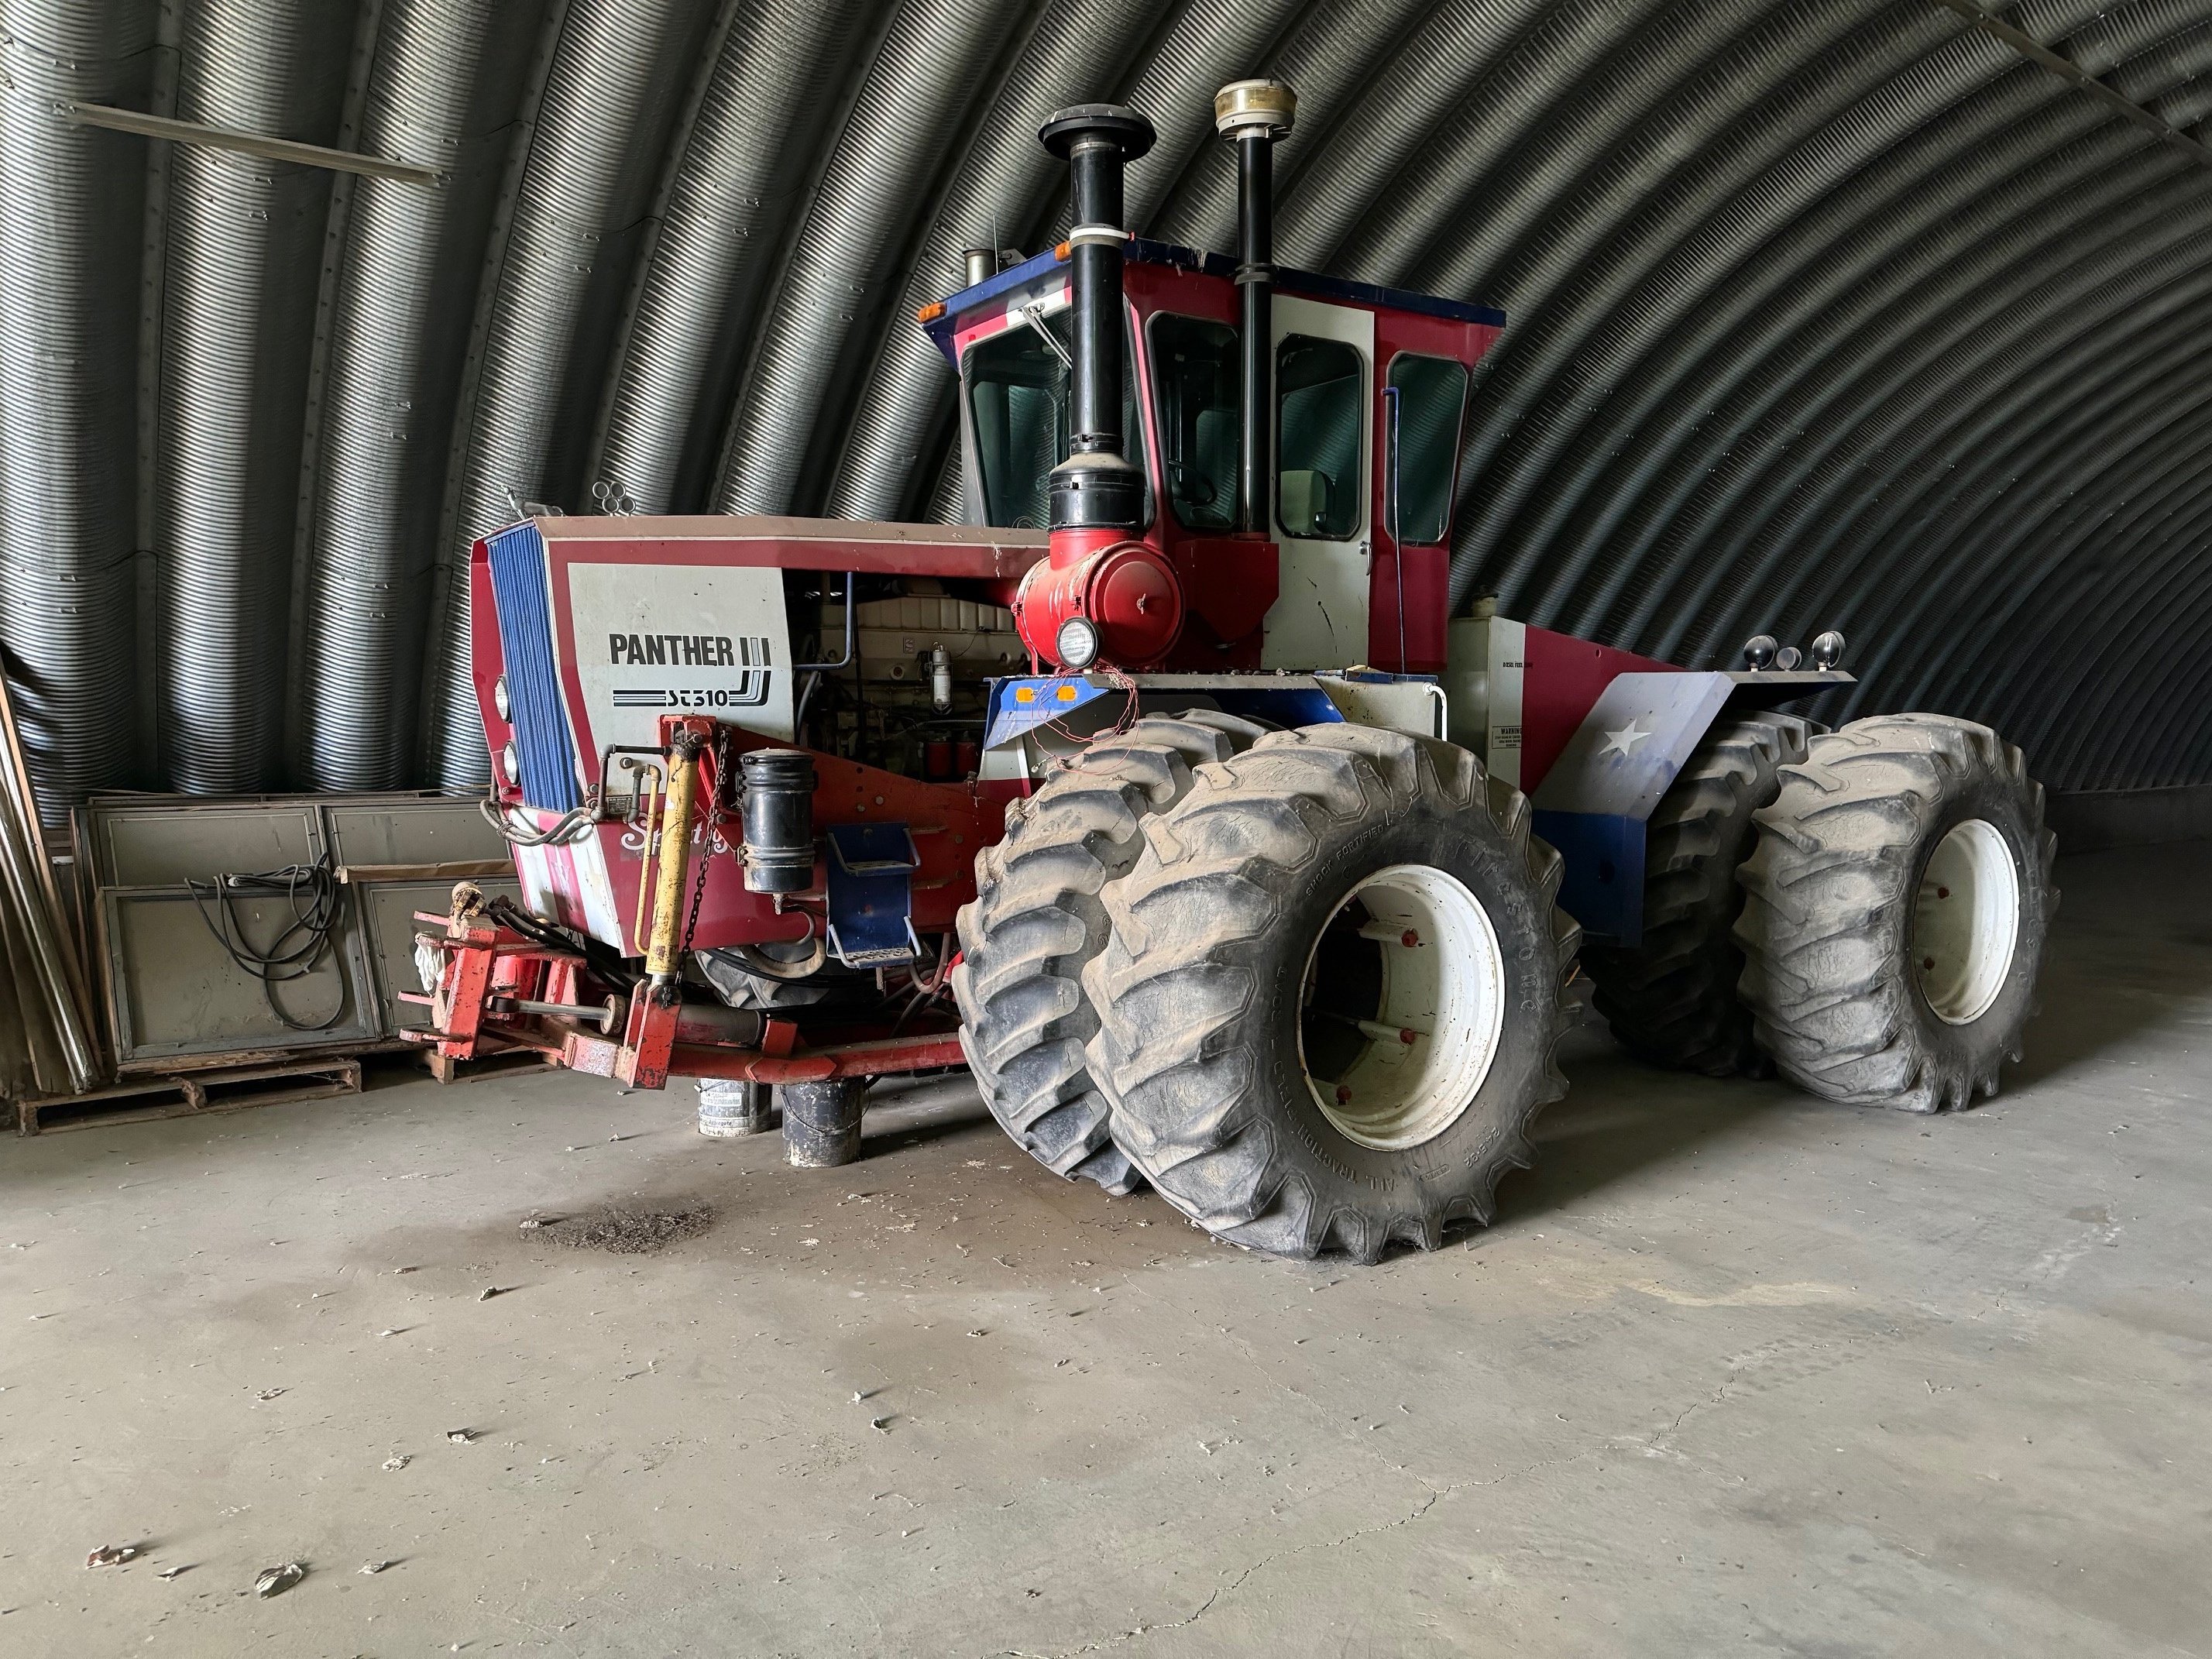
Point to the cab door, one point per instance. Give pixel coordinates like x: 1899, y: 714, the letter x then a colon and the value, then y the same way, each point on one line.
x: 1324, y: 378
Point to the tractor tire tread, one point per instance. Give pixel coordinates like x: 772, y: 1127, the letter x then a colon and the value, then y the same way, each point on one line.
x: 1037, y: 918
x: 1821, y: 892
x: 1672, y: 999
x: 1188, y: 922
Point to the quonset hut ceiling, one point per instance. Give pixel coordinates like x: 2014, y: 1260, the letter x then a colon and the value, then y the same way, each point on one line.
x: 1891, y: 318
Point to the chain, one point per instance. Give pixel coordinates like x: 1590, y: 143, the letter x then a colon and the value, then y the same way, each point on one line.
x: 721, y: 754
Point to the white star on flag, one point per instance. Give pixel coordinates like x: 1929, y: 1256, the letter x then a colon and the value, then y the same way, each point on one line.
x: 1624, y: 741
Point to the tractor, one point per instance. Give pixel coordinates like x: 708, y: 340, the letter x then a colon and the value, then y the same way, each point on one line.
x: 1165, y: 794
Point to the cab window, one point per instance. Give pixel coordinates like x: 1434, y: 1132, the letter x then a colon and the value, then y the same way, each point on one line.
x: 1017, y: 402
x: 1320, y: 394
x: 1431, y: 394
x: 1199, y: 413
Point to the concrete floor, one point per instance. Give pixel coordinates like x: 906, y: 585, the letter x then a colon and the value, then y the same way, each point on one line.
x: 1734, y: 1372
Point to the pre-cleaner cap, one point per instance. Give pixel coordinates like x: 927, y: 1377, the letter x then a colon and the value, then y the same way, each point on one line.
x: 1260, y: 106
x: 1130, y: 130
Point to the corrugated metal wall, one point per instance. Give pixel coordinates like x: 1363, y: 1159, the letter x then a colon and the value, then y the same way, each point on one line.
x: 1885, y: 317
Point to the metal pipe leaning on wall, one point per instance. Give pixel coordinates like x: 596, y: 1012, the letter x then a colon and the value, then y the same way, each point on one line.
x: 33, y: 903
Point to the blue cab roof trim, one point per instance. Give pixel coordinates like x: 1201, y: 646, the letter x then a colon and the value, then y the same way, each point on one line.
x: 1150, y: 253
x: 968, y: 299
x: 1396, y: 299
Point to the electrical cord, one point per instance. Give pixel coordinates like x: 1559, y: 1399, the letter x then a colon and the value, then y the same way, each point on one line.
x: 316, y: 901
x: 606, y: 962
x: 570, y: 826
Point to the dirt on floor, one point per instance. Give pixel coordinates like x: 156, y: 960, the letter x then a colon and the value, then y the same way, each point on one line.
x: 625, y: 1232
x: 1735, y: 1371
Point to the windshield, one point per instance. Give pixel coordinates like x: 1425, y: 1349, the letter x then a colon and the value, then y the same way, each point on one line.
x: 1018, y: 394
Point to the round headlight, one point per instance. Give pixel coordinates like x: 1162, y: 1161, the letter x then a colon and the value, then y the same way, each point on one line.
x: 1828, y: 649
x: 1076, y: 645
x: 1787, y: 658
x: 499, y: 700
x: 510, y: 763
x: 1759, y: 650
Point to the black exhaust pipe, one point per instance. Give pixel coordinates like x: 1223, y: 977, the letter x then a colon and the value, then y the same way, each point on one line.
x: 1096, y: 488
x: 1252, y: 115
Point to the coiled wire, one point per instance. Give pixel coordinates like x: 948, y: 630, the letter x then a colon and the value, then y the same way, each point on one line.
x: 313, y: 904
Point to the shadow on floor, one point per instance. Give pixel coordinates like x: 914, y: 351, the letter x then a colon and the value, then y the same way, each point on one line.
x: 1619, y: 1116
x: 2115, y: 966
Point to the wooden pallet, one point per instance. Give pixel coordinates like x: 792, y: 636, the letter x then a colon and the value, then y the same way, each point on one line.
x: 191, y: 1094
x: 505, y: 1063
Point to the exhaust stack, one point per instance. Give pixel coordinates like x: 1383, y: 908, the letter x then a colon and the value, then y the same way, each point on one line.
x: 1252, y: 115
x: 1096, y: 488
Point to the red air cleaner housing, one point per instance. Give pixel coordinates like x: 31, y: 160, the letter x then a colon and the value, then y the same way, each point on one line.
x: 1127, y: 590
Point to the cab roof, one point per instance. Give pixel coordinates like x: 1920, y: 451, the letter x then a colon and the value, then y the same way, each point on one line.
x: 943, y: 327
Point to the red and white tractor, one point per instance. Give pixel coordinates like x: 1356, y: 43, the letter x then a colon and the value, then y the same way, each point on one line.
x: 1167, y: 795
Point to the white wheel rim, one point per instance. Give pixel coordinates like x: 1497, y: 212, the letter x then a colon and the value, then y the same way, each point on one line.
x: 1966, y: 922
x: 1421, y: 948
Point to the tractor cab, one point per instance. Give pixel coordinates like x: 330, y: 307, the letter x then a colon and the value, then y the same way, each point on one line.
x: 1369, y: 388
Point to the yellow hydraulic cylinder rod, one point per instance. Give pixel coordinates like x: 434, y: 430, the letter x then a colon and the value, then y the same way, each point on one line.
x: 665, y: 945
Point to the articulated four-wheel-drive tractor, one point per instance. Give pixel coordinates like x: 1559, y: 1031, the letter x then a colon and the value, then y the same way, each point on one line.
x: 1167, y: 796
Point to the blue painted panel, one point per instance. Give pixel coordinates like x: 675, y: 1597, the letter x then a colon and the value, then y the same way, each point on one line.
x: 1389, y: 299
x: 942, y: 330
x: 542, y: 743
x: 1051, y: 697
x: 1056, y: 696
x: 1602, y: 887
x: 1281, y: 706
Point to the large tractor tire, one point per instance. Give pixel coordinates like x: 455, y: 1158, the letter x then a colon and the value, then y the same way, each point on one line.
x: 1672, y: 1000
x: 1039, y: 916
x: 1328, y: 1012
x: 1895, y: 911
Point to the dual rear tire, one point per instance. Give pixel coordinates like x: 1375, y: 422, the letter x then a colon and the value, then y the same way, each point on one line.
x: 1309, y: 984
x: 1039, y: 916
x: 1328, y: 1006
x: 1895, y: 913
x: 1321, y: 982
x: 1864, y: 911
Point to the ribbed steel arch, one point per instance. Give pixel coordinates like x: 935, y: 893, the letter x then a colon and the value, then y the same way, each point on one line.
x: 1952, y: 351
x: 1724, y: 358
x: 2158, y: 497
x: 1631, y: 281
x: 2159, y: 248
x: 1708, y: 339
x: 2096, y: 594
x: 581, y: 169
x: 1000, y: 182
x: 71, y: 216
x: 1877, y: 312
x: 442, y: 81
x: 2113, y: 388
x: 2109, y: 377
x: 718, y: 223
x: 1901, y: 320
